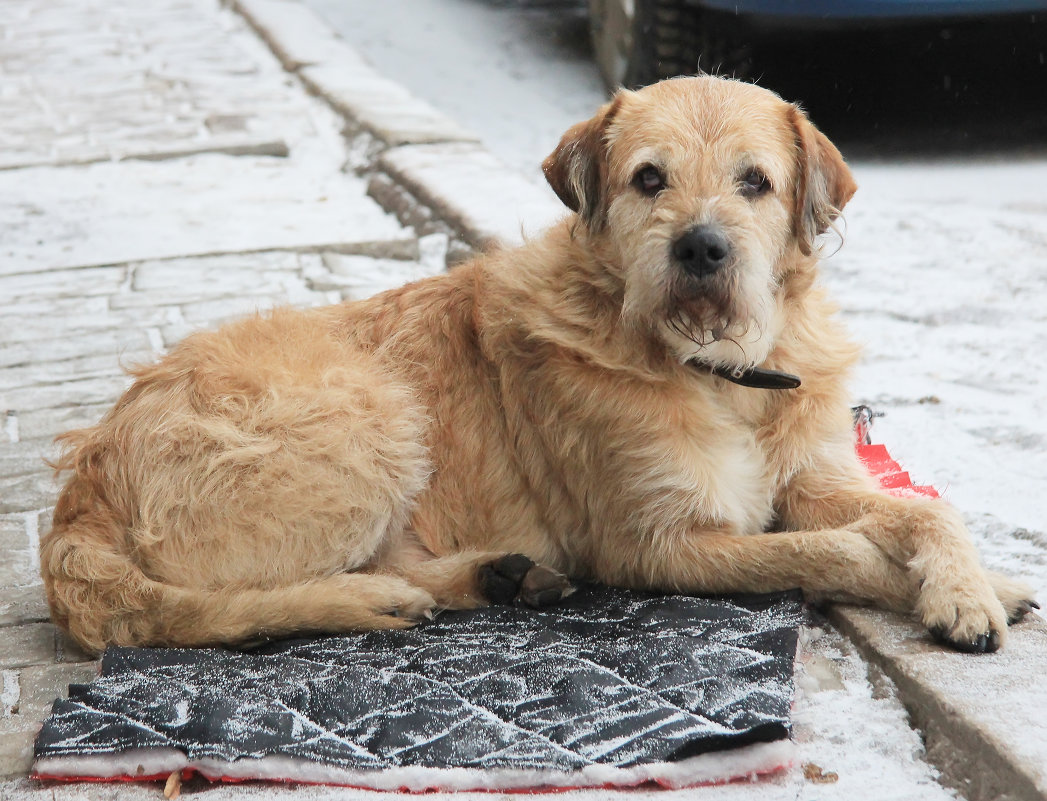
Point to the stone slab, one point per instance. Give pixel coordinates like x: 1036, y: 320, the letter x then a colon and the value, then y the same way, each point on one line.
x: 13, y: 533
x: 48, y: 423
x: 26, y: 326
x: 29, y: 644
x: 23, y: 458
x: 25, y: 604
x: 357, y: 277
x: 141, y: 81
x: 979, y: 713
x: 48, y: 310
x: 79, y: 368
x: 67, y: 650
x: 26, y: 493
x: 101, y: 214
x: 474, y: 192
x: 18, y: 568
x: 18, y: 564
x: 56, y: 285
x: 176, y: 282
x: 296, y: 35
x: 67, y: 393
x: 17, y: 735
x: 331, y: 68
x: 37, y: 689
x: 44, y: 354
x: 40, y: 685
x: 382, y: 107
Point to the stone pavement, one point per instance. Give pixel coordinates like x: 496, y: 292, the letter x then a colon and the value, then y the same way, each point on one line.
x: 161, y: 171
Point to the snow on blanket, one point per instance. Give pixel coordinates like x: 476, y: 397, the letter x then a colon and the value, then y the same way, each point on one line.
x: 610, y: 688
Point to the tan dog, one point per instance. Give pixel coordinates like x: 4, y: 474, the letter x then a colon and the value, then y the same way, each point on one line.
x: 362, y: 465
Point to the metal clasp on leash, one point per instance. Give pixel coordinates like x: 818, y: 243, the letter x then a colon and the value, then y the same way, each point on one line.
x: 863, y: 420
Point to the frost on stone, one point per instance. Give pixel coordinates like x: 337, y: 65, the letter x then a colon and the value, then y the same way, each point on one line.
x: 609, y: 677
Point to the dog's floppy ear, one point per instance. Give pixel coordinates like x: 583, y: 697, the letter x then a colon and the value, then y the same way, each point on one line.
x: 825, y: 183
x: 577, y: 169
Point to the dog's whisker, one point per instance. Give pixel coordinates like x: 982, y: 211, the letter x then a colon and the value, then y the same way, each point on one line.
x: 840, y: 237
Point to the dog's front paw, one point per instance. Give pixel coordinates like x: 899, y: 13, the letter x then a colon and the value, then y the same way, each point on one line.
x: 1016, y: 596
x: 515, y: 579
x: 967, y: 617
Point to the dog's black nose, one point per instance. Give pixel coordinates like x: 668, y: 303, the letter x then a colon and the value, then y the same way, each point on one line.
x: 702, y: 251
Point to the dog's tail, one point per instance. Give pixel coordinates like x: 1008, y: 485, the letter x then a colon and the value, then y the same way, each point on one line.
x: 94, y: 588
x: 100, y: 595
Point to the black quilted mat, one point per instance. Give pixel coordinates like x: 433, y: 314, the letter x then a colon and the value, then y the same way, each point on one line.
x: 609, y: 677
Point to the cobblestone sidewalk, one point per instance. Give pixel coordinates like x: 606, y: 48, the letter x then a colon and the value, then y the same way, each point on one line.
x: 159, y: 172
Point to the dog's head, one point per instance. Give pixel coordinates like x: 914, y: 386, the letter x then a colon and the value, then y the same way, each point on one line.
x: 700, y: 195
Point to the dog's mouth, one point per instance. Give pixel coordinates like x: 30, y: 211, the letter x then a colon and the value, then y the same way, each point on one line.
x: 704, y: 312
x: 719, y: 321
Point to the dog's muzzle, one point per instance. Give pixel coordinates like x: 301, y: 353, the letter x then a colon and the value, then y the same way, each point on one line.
x: 702, y: 251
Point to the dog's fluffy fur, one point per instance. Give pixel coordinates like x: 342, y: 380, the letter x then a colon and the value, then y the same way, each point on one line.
x: 362, y: 465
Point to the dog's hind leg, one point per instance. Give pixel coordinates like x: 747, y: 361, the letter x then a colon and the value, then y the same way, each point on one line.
x: 103, y: 598
x: 336, y: 604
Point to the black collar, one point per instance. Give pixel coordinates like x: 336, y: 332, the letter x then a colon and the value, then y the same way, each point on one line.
x: 757, y: 377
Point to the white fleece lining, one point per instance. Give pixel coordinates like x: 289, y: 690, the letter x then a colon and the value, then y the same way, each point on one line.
x: 717, y: 767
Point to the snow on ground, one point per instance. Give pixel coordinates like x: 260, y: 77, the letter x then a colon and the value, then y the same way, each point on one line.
x: 516, y: 72
x: 943, y: 278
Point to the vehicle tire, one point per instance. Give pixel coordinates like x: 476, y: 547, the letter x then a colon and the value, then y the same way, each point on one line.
x: 637, y: 42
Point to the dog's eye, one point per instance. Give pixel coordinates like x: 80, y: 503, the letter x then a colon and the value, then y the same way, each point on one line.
x: 649, y: 181
x: 754, y: 183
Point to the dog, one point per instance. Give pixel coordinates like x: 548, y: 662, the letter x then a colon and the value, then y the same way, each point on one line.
x: 613, y: 401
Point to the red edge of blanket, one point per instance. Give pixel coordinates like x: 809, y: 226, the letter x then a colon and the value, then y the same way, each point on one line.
x: 889, y: 473
x: 189, y: 773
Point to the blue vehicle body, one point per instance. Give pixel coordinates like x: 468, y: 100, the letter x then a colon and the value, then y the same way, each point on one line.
x: 842, y: 10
